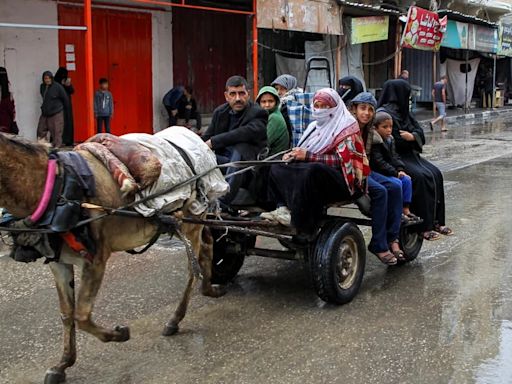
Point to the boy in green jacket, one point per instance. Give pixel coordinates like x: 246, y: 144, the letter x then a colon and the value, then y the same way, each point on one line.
x: 278, y: 138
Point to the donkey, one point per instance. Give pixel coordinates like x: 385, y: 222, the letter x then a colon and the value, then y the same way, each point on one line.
x: 23, y: 171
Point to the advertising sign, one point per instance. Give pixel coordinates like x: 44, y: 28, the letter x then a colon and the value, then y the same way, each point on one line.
x: 456, y: 35
x: 486, y: 39
x: 367, y: 29
x: 505, y: 39
x: 423, y: 30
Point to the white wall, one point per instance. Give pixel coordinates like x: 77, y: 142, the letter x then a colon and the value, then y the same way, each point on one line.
x: 26, y: 54
x: 162, y: 66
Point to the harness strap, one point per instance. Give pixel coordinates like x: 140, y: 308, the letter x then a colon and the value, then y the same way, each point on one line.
x: 148, y: 245
x: 47, y: 193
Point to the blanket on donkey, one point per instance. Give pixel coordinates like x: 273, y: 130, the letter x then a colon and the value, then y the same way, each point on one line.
x: 176, y: 170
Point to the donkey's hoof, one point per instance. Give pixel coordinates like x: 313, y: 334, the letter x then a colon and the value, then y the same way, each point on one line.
x: 122, y: 333
x: 170, y: 329
x: 215, y: 291
x: 54, y: 377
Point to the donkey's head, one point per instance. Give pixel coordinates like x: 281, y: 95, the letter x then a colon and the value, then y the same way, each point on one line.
x: 23, y: 167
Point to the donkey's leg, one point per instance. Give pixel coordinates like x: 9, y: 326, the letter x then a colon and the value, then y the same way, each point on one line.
x: 92, y: 276
x: 65, y: 283
x: 193, y: 233
x: 205, y: 261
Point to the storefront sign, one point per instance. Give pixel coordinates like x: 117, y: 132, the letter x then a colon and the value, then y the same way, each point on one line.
x: 367, y: 29
x: 505, y: 39
x: 456, y: 35
x: 485, y: 39
x: 423, y: 30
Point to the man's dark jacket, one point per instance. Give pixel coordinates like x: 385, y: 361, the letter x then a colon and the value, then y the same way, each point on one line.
x: 55, y: 99
x: 248, y: 137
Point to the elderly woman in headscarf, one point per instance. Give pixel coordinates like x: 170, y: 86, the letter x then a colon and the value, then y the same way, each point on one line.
x: 329, y: 166
x: 427, y: 179
x: 349, y: 87
x: 286, y: 86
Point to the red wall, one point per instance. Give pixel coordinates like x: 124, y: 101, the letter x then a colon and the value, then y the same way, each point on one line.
x: 208, y: 47
x: 121, y: 53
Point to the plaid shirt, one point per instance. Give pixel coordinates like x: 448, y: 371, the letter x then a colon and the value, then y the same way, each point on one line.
x: 300, y: 114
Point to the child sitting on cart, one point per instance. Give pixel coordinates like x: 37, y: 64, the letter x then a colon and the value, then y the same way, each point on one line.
x: 385, y: 161
x: 385, y: 193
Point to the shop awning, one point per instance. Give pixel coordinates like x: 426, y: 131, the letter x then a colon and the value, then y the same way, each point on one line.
x: 458, y: 16
x: 351, y: 8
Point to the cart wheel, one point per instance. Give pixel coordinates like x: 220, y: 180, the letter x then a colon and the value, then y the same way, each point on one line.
x: 410, y: 241
x: 337, y: 262
x: 228, y: 255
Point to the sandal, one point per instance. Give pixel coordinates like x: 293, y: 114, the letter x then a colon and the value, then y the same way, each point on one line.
x: 399, y: 254
x: 444, y: 230
x: 386, y: 257
x: 431, y: 235
x: 413, y: 217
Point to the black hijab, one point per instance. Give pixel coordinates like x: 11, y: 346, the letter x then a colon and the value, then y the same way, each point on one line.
x: 356, y: 87
x: 4, y: 83
x: 395, y: 98
x: 61, y: 74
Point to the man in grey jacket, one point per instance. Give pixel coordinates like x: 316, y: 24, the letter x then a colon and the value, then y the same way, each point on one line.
x: 55, y: 100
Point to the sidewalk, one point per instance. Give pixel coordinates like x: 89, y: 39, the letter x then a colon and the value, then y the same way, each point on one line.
x: 424, y: 115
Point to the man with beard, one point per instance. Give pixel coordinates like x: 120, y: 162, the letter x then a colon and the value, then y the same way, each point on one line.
x: 238, y: 131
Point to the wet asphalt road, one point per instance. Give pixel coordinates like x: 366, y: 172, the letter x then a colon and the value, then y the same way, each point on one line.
x: 444, y: 318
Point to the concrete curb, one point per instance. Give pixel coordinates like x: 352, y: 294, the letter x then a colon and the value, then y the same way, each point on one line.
x: 469, y: 116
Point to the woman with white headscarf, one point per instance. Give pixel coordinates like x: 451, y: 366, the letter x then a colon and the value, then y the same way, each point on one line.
x: 329, y: 165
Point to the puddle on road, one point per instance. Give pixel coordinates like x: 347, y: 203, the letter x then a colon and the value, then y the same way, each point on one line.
x: 499, y: 368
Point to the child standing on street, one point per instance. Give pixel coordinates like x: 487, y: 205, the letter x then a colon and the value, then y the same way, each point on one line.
x: 103, y: 106
x: 385, y: 161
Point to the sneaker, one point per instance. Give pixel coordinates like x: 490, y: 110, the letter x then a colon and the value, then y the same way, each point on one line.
x: 281, y: 215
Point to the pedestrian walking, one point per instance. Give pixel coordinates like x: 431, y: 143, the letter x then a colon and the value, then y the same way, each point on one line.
x: 103, y: 106
x: 439, y: 95
x: 55, y: 101
x: 7, y: 108
x: 61, y: 77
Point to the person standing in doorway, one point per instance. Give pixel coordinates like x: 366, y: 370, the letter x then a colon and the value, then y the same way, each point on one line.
x: 439, y: 95
x: 7, y: 109
x: 61, y: 77
x: 55, y: 101
x: 103, y: 106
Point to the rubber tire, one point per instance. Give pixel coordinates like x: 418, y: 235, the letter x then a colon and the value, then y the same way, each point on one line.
x: 324, y: 261
x: 411, y: 242
x: 226, y: 263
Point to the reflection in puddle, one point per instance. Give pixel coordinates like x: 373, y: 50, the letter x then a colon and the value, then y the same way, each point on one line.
x: 498, y: 369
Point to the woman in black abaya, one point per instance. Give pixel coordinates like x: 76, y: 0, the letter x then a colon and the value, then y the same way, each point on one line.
x: 61, y: 77
x: 428, y: 189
